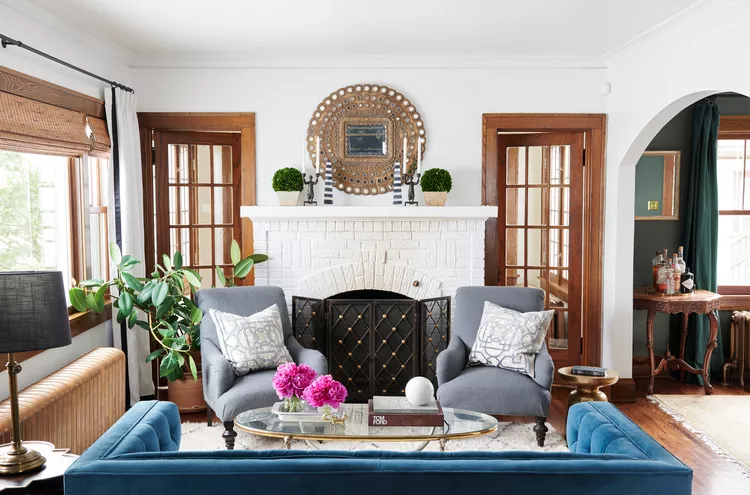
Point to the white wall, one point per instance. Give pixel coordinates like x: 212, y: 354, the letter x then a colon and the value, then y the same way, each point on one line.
x: 655, y: 77
x: 450, y: 100
x: 47, y: 362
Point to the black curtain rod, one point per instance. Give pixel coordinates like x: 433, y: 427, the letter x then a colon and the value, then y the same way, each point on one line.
x: 6, y: 41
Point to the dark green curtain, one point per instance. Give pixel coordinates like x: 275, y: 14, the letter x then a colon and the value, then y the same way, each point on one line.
x: 701, y: 236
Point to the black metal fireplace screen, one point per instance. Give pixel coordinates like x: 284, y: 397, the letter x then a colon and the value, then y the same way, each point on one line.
x: 374, y: 345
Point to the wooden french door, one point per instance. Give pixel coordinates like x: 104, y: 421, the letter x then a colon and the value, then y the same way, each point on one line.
x: 197, y: 198
x: 540, y: 228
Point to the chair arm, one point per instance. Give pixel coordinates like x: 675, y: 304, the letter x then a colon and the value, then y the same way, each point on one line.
x: 218, y: 375
x: 451, y: 361
x: 544, y: 368
x: 310, y: 357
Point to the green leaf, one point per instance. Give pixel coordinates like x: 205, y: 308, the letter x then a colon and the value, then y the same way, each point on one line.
x: 259, y: 258
x: 154, y: 355
x: 196, y: 315
x: 169, y: 363
x: 177, y: 260
x: 95, y: 302
x: 132, y: 319
x: 193, y: 368
x: 78, y: 298
x: 127, y: 263
x: 146, y: 292
x: 131, y: 281
x: 126, y: 303
x: 143, y: 324
x: 161, y: 291
x: 220, y: 276
x: 166, y: 332
x: 167, y: 262
x: 94, y: 282
x: 114, y: 253
x: 243, y: 267
x: 193, y: 278
x: 163, y: 308
x: 234, y: 252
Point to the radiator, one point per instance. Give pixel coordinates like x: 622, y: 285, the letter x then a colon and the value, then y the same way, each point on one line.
x: 73, y: 406
x: 739, y: 346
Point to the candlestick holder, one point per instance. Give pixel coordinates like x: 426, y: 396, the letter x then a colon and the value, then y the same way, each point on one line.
x: 411, y: 183
x: 310, y: 183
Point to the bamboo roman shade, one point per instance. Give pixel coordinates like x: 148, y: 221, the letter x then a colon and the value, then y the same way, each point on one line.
x: 30, y: 126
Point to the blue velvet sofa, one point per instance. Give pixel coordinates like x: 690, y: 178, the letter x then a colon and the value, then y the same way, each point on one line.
x: 609, y: 455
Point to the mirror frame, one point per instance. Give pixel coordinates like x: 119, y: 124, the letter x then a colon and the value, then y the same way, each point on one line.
x: 676, y: 188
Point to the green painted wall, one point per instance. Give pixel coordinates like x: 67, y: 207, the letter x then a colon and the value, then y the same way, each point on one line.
x: 649, y: 185
x: 651, y: 235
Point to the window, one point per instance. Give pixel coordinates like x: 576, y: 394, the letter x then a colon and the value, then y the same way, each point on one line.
x: 733, y: 268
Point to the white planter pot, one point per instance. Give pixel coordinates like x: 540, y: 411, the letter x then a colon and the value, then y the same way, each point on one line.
x: 435, y: 198
x: 288, y: 198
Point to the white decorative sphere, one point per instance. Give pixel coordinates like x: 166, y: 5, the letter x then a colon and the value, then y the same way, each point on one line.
x: 419, y: 391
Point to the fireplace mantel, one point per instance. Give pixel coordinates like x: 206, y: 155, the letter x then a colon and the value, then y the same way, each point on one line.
x: 301, y: 213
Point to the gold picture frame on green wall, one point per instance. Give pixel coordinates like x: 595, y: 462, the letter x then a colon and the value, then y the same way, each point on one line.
x: 657, y: 186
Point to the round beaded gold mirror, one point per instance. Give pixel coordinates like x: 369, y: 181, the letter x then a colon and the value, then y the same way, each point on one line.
x: 362, y: 129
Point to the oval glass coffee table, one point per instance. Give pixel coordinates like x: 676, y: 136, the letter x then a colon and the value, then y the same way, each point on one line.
x: 458, y: 424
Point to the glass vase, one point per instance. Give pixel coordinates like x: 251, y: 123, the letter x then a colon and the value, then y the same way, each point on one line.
x: 293, y: 404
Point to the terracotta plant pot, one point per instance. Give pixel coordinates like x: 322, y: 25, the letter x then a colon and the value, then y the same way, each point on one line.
x: 288, y: 198
x: 188, y: 394
x: 435, y: 198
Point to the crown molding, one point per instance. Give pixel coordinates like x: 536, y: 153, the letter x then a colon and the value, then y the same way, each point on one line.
x: 106, y: 49
x: 219, y: 61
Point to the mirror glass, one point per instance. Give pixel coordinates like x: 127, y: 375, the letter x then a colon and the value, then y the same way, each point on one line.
x: 366, y: 140
x: 657, y: 186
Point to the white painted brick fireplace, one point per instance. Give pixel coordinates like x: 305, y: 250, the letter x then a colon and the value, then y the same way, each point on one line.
x: 420, y: 252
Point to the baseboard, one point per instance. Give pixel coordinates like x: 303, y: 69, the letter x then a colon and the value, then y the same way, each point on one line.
x: 622, y: 391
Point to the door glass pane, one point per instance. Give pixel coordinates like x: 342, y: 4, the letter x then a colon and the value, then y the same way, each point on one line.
x: 557, y: 335
x: 514, y: 252
x: 223, y: 205
x: 559, y: 164
x: 537, y: 157
x: 536, y: 206
x: 203, y: 246
x: 222, y: 245
x: 179, y: 206
x: 514, y: 278
x: 516, y: 166
x: 203, y: 205
x: 202, y: 163
x: 514, y: 206
x: 179, y: 240
x: 536, y: 278
x: 177, y: 158
x: 558, y: 247
x: 222, y: 164
x: 207, y: 278
x: 537, y: 251
x: 559, y: 201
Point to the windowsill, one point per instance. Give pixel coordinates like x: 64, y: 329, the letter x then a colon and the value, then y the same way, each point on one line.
x: 733, y: 302
x: 79, y: 323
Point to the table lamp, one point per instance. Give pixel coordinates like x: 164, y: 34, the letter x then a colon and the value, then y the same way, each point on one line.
x: 33, y: 316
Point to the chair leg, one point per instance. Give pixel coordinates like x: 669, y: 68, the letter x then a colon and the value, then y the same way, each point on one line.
x: 210, y: 416
x: 229, y: 434
x: 541, y: 430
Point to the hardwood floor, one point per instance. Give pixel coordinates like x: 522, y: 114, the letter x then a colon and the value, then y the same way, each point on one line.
x: 712, y: 475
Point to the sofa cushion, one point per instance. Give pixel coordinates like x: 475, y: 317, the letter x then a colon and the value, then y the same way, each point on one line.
x: 251, y: 343
x: 495, y: 391
x: 509, y: 339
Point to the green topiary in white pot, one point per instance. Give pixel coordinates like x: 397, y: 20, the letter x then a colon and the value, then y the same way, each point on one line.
x: 288, y: 183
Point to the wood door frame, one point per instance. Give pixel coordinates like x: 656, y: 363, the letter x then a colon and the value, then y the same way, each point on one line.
x: 594, y: 128
x: 242, y: 122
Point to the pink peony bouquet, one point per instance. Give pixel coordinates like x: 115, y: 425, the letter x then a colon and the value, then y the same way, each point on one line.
x: 325, y: 391
x: 290, y: 382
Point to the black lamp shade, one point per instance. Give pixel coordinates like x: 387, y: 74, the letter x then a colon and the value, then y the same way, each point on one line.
x: 33, y: 311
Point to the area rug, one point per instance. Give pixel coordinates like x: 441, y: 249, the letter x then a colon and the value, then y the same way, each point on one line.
x: 509, y: 436
x: 721, y: 421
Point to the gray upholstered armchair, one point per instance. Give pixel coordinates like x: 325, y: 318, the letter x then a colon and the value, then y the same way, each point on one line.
x: 226, y: 394
x: 487, y: 389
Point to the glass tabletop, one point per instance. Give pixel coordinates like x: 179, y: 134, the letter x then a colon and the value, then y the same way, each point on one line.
x: 458, y: 423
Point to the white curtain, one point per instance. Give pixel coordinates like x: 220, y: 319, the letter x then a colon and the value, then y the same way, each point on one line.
x: 131, y: 218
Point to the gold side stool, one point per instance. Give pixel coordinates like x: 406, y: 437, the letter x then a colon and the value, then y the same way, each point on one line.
x: 587, y: 387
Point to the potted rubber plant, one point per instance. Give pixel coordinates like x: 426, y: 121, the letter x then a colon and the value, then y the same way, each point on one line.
x: 241, y: 267
x: 436, y: 184
x: 288, y: 183
x: 161, y: 304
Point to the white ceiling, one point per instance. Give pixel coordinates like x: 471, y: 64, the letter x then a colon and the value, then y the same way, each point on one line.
x: 211, y: 32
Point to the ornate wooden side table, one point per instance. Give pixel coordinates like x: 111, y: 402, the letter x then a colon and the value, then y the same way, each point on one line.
x: 701, y: 302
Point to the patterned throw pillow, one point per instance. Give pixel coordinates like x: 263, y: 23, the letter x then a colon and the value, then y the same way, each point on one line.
x: 509, y: 339
x: 251, y: 343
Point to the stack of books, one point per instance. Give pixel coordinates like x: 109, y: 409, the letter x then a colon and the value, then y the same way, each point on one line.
x: 397, y: 411
x: 588, y: 371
